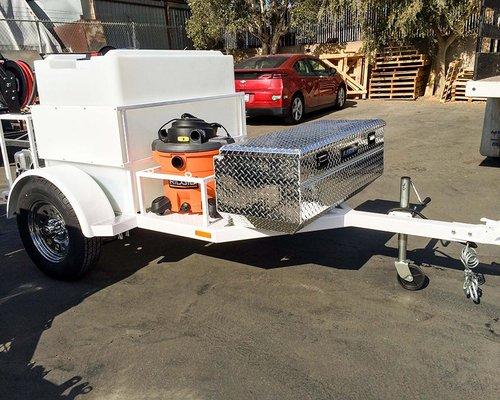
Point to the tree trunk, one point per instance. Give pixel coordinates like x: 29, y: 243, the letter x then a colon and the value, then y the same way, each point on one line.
x: 275, y: 42
x: 439, y: 66
x: 438, y: 70
x: 265, y: 47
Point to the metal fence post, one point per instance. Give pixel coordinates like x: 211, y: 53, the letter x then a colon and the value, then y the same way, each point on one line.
x: 134, y: 36
x: 40, y: 43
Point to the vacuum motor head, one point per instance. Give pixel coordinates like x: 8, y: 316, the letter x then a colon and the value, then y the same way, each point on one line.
x: 189, y: 134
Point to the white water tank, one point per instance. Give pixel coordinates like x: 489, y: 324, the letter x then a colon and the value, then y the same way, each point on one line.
x: 131, y: 77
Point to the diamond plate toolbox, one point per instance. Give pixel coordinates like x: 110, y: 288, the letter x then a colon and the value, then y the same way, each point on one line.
x: 283, y: 180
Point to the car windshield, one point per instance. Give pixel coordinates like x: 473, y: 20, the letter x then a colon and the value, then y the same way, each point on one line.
x: 261, y: 63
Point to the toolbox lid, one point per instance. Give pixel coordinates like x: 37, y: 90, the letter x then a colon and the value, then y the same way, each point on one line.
x: 305, y: 138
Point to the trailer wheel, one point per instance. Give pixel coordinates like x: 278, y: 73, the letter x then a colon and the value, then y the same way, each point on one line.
x: 420, y: 280
x: 51, y: 233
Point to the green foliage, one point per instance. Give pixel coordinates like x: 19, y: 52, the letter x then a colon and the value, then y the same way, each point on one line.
x: 403, y: 20
x: 267, y: 20
x: 209, y: 19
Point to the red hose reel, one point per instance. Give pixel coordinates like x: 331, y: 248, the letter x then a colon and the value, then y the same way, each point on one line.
x: 17, y: 86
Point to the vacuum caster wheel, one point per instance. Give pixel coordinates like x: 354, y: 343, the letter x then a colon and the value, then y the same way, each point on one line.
x: 420, y: 280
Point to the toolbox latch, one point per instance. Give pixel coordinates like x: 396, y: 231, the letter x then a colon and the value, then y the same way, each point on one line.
x: 371, y: 138
x: 349, y: 151
x: 321, y: 159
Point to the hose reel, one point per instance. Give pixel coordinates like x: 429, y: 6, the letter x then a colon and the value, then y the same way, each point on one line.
x: 17, y: 85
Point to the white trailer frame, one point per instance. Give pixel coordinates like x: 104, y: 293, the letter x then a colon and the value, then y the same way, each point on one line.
x: 203, y: 227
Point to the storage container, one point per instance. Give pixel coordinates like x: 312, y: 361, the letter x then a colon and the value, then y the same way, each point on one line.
x: 130, y: 77
x: 283, y: 180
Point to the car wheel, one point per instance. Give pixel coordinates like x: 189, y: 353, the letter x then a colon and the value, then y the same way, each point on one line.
x: 51, y: 233
x: 341, y: 97
x: 296, y: 110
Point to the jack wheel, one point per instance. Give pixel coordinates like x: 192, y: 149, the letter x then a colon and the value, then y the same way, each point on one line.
x: 420, y: 280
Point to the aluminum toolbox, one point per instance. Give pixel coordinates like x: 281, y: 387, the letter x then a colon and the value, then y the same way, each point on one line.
x: 283, y: 180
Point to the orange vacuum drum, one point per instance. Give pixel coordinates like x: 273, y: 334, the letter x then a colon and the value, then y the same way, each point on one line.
x: 188, y: 147
x: 184, y: 196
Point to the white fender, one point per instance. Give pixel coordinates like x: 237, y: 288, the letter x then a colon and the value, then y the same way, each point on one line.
x: 84, y: 194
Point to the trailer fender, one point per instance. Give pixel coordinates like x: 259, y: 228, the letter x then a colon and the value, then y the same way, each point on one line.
x: 88, y: 200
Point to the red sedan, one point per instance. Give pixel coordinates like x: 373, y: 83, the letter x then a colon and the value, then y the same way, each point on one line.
x: 288, y: 85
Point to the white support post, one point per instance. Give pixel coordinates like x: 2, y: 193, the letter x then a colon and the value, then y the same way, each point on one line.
x: 31, y: 138
x: 140, y: 195
x: 5, y: 157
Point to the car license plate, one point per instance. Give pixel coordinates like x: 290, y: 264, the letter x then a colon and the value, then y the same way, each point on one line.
x: 247, y: 97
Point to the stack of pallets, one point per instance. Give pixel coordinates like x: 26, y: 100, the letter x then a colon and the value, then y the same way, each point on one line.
x: 398, y: 73
x: 458, y: 87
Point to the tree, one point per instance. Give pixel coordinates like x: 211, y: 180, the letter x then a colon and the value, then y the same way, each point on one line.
x: 267, y: 20
x: 440, y: 21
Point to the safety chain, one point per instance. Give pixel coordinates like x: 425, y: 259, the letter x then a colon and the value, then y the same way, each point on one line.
x: 472, y: 279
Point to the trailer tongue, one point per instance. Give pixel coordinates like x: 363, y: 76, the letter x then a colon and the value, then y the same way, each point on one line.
x: 95, y: 174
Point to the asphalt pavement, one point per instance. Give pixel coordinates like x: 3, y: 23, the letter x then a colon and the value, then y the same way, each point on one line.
x: 311, y: 316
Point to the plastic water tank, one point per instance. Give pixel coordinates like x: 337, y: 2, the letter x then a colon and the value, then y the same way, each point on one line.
x: 129, y: 77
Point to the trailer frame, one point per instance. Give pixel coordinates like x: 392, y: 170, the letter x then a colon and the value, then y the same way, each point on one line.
x: 97, y: 218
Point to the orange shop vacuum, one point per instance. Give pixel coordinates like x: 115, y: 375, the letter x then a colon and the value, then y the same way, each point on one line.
x: 187, y: 148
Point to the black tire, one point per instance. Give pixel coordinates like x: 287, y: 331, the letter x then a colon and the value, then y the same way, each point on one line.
x: 42, y: 210
x: 340, y: 98
x: 293, y: 117
x: 420, y: 280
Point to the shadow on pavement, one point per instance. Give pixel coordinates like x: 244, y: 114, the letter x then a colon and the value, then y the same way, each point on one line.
x: 29, y: 301
x: 347, y: 248
x: 490, y: 162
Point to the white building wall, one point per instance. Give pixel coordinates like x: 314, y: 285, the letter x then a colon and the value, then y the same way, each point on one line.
x: 61, y: 10
x: 17, y: 32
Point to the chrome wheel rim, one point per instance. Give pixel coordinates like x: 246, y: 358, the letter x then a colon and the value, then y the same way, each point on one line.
x: 341, y: 96
x: 297, y: 109
x: 48, y: 231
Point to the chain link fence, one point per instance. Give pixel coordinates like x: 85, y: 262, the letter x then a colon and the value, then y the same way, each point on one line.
x: 346, y: 26
x: 86, y: 36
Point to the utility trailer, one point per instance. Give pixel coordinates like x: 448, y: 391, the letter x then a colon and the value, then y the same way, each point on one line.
x: 92, y: 175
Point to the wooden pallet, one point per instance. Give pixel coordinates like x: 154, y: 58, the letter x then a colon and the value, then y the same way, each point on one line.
x: 394, y: 74
x: 398, y: 73
x: 354, y: 69
x: 400, y: 61
x: 399, y: 50
x: 410, y: 91
x: 458, y: 87
x: 451, y: 75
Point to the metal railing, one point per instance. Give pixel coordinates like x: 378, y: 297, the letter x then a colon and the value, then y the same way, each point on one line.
x: 85, y: 36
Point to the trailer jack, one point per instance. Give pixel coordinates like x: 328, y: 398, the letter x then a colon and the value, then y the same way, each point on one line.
x: 410, y: 276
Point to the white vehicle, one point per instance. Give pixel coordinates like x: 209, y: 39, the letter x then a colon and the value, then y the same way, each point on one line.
x: 91, y: 173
